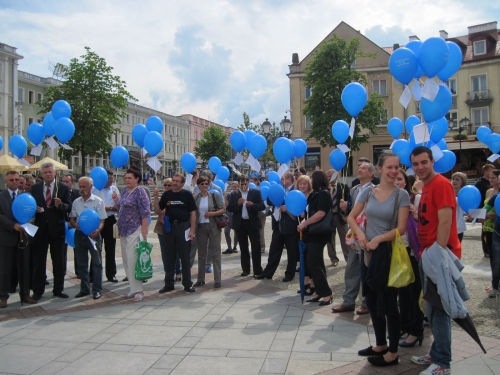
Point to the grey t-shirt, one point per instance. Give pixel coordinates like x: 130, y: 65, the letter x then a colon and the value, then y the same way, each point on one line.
x: 379, y: 215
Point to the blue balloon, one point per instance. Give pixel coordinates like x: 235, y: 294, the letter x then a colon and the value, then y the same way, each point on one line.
x: 61, y: 109
x: 441, y: 105
x: 188, y: 162
x: 411, y: 122
x: 119, y: 156
x: 354, y: 98
x: 154, y: 124
x: 453, y: 63
x: 222, y: 174
x: 264, y: 190
x: 283, y: 150
x: 70, y: 237
x: 35, y: 133
x: 214, y: 164
x: 49, y: 124
x: 100, y: 177
x: 493, y: 143
x: 300, y: 148
x: 403, y: 65
x: 433, y: 56
x: 276, y: 195
x: 395, y: 127
x: 265, y: 184
x: 403, y: 149
x: 1, y: 143
x: 88, y: 221
x: 482, y: 134
x: 213, y: 191
x: 337, y: 159
x: 153, y: 143
x: 18, y: 145
x: 446, y: 163
x: 273, y: 183
x: 257, y: 145
x: 340, y: 131
x: 438, y: 129
x: 138, y: 133
x: 238, y: 140
x: 66, y: 226
x: 415, y: 45
x: 251, y: 185
x: 273, y: 176
x: 65, y: 129
x: 249, y: 134
x: 295, y: 202
x: 220, y: 184
x: 149, y: 220
x: 497, y: 204
x: 24, y: 208
x: 469, y: 197
x: 442, y: 144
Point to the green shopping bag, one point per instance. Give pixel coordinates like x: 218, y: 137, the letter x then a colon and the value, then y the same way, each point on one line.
x: 144, y: 263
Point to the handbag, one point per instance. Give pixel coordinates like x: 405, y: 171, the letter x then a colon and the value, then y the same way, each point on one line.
x: 144, y: 264
x: 325, y: 225
x: 221, y: 220
x: 116, y: 231
x: 401, y: 272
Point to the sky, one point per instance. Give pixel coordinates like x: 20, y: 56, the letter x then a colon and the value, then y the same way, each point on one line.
x: 215, y: 59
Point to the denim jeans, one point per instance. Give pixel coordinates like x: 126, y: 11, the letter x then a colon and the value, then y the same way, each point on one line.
x: 495, y: 258
x: 441, y: 329
x: 82, y: 249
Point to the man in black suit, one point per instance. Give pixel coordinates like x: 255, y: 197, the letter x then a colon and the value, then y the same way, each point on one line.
x: 74, y: 193
x: 284, y: 234
x: 10, y: 231
x: 339, y: 192
x: 245, y: 205
x: 53, y: 205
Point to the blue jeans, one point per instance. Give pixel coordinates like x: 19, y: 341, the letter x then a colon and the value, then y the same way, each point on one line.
x: 441, y: 329
x: 82, y: 249
x: 495, y: 258
x: 163, y: 247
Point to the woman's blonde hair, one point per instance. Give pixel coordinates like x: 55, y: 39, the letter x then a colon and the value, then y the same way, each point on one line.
x: 306, y: 179
x: 462, y: 176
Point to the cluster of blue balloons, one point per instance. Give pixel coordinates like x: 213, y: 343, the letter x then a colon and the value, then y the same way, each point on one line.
x: 56, y: 122
x: 255, y: 143
x: 491, y: 140
x: 149, y: 136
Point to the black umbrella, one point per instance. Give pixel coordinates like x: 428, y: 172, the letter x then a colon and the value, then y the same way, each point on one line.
x: 432, y: 296
x: 302, y: 274
x: 21, y: 245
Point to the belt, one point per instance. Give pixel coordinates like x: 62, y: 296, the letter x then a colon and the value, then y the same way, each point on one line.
x: 177, y: 221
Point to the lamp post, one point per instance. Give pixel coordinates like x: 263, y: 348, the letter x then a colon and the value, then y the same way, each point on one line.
x: 175, y: 138
x: 286, y: 128
x: 462, y: 125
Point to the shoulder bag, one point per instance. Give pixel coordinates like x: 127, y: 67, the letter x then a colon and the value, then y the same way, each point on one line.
x: 351, y: 239
x: 221, y: 220
x: 325, y: 225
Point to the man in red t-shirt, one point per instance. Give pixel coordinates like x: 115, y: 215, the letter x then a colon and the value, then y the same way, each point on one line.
x: 437, y: 223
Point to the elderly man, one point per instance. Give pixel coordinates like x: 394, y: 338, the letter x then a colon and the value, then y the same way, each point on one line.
x: 53, y: 204
x: 83, y: 244
x: 74, y: 193
x: 375, y: 180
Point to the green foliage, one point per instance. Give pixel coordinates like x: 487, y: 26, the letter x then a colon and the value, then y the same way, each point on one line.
x: 213, y: 143
x: 98, y: 100
x: 330, y: 71
x: 463, y: 137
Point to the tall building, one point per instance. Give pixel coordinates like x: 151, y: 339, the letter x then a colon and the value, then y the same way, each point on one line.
x: 475, y: 88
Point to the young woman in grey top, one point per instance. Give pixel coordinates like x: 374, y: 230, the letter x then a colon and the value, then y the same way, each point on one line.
x: 383, y: 216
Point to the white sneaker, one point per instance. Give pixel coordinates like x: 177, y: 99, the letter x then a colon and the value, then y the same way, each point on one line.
x: 423, y: 360
x: 436, y: 370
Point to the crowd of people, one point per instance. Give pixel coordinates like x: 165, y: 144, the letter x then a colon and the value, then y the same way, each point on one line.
x: 421, y: 208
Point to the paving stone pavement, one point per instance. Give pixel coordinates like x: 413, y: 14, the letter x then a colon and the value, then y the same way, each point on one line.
x: 246, y: 327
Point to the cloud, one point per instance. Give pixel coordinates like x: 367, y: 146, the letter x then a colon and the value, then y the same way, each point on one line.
x: 386, y: 37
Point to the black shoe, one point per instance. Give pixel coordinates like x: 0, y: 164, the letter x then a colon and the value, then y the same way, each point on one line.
x: 199, y: 283
x: 12, y: 290
x: 125, y: 279
x: 378, y: 360
x: 144, y: 281
x: 314, y: 299
x: 113, y: 280
x: 81, y: 294
x: 405, y: 344
x: 189, y: 289
x: 261, y: 276
x: 91, y: 281
x: 243, y: 274
x: 235, y: 250
x: 166, y: 289
x: 324, y: 303
x: 97, y: 295
x: 46, y: 282
x: 217, y: 285
x: 286, y: 279
x: 36, y: 296
x: 228, y: 251
x: 298, y: 269
x: 306, y: 286
x: 368, y: 352
x: 61, y: 295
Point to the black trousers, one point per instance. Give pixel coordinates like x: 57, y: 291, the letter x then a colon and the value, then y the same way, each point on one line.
x: 412, y: 318
x: 316, y: 267
x: 177, y: 245
x: 40, y: 252
x: 278, y: 241
x: 109, y: 246
x: 7, y: 265
x: 244, y: 233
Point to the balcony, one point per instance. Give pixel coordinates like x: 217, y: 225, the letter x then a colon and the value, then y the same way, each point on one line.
x: 479, y: 97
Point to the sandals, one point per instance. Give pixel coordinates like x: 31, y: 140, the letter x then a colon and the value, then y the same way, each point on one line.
x: 138, y: 297
x: 488, y: 289
x: 130, y: 295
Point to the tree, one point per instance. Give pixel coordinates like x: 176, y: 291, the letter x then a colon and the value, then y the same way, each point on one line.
x: 327, y: 75
x: 98, y: 100
x: 213, y: 143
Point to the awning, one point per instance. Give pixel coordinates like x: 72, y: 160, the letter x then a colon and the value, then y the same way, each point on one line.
x: 466, y: 145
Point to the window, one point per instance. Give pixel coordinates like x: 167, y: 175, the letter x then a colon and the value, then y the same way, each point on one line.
x: 312, y: 159
x: 452, y: 85
x: 479, y: 83
x: 309, y: 92
x: 377, y: 151
x: 480, y: 117
x: 133, y: 120
x: 417, y: 106
x: 128, y: 119
x: 128, y: 139
x: 308, y: 122
x: 480, y: 47
x: 39, y: 96
x: 31, y: 120
x: 380, y: 87
x: 384, y: 116
x: 196, y: 135
x: 452, y: 115
x: 39, y: 120
x: 20, y: 94
x: 31, y: 97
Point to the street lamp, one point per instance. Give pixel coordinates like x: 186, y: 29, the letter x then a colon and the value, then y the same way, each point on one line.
x: 286, y: 128
x: 462, y: 125
x: 175, y: 138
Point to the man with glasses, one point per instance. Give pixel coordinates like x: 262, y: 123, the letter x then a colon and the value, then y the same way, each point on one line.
x: 180, y: 209
x: 53, y: 205
x: 245, y: 205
